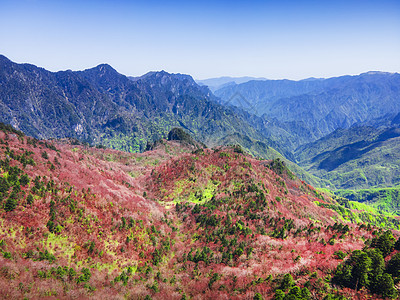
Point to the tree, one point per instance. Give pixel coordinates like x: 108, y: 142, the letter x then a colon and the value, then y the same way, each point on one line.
x: 385, y: 243
x: 279, y: 295
x: 386, y: 286
x: 305, y: 293
x: 51, y: 226
x: 377, y: 268
x: 397, y: 244
x: 393, y: 265
x: 29, y: 199
x: 287, y: 282
x: 213, y: 279
x: 24, y: 180
x: 4, y: 185
x: 295, y: 293
x: 85, y: 275
x: 10, y: 204
x: 355, y: 272
x: 377, y: 261
x: 361, y: 267
x: 343, y: 275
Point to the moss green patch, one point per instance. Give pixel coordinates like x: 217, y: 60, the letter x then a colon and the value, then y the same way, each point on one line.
x: 109, y: 267
x: 62, y: 243
x: 347, y: 212
x: 108, y: 244
x: 362, y: 206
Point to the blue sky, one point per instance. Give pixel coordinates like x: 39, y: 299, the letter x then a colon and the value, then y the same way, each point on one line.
x: 273, y: 39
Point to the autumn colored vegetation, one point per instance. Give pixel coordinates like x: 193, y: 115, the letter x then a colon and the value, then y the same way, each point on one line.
x: 178, y: 222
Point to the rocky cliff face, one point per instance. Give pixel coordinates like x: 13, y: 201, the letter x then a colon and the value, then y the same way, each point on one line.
x: 99, y: 105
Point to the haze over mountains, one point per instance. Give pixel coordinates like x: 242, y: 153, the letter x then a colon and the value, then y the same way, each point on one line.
x: 219, y: 82
x: 321, y: 105
x: 358, y: 157
x: 197, y: 212
x: 266, y: 117
x: 100, y: 105
x: 341, y: 129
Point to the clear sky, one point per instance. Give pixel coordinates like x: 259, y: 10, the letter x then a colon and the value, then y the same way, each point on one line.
x: 275, y: 39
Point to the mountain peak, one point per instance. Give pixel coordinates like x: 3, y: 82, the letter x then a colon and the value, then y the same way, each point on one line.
x: 105, y: 77
x: 103, y: 69
x: 165, y: 77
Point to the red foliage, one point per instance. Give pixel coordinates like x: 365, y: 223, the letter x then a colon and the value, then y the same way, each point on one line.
x: 116, y: 211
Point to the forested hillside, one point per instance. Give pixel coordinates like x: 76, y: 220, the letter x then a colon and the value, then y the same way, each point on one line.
x: 179, y: 221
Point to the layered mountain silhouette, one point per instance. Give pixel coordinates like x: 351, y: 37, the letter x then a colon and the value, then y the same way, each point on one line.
x: 358, y: 157
x: 101, y: 106
x: 317, y: 107
x: 298, y: 121
x: 216, y: 83
x: 185, y: 221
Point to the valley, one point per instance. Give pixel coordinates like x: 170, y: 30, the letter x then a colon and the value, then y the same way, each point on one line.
x: 155, y: 187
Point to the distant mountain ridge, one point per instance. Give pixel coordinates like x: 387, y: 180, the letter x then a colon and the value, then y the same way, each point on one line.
x: 101, y: 106
x: 355, y: 158
x: 338, y: 129
x: 220, y: 82
x: 320, y: 105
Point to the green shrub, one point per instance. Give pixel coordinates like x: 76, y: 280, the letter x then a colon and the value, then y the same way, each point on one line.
x: 258, y: 296
x: 85, y: 276
x: 10, y: 204
x: 339, y: 254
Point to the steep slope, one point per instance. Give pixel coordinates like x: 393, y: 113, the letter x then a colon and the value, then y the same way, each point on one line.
x: 355, y: 158
x: 101, y: 106
x: 263, y: 94
x: 175, y: 222
x: 320, y: 106
x: 336, y: 139
x: 46, y: 104
x: 386, y: 200
x: 261, y: 150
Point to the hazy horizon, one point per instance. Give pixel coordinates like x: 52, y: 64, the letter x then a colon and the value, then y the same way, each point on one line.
x: 271, y: 39
x: 202, y: 79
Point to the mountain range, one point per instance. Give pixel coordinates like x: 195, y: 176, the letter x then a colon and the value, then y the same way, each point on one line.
x: 319, y: 106
x: 101, y: 106
x: 216, y: 83
x: 208, y: 199
x: 356, y: 157
x: 333, y: 128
